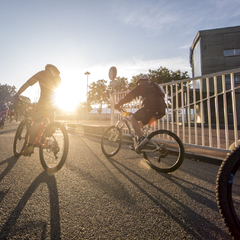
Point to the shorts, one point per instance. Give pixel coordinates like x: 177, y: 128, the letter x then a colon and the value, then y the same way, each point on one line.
x: 148, y: 116
x: 42, y: 112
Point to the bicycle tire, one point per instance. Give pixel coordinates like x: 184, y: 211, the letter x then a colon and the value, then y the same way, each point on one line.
x: 54, y: 156
x: 111, y: 141
x: 171, y: 155
x: 227, y: 192
x: 1, y: 124
x: 21, y: 137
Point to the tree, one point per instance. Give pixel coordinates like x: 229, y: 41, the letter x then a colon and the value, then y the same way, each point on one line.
x: 133, y: 82
x: 99, y: 94
x: 21, y: 106
x: 164, y: 75
x: 161, y: 75
x: 6, y: 92
x: 121, y: 84
x: 83, y: 107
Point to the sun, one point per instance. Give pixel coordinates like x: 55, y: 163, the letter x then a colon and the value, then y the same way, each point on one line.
x: 68, y: 96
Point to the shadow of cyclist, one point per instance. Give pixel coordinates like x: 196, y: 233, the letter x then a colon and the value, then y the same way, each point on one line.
x: 54, y: 209
x: 11, y: 162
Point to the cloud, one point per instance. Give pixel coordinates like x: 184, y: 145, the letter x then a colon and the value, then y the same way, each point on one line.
x: 159, y: 17
x: 186, y: 46
x: 146, y: 15
x: 128, y: 69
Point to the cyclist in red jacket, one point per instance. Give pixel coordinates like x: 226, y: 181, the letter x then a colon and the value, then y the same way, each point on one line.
x: 48, y: 80
x: 153, y: 106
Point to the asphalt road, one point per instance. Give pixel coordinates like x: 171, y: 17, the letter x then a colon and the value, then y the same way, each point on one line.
x: 94, y: 197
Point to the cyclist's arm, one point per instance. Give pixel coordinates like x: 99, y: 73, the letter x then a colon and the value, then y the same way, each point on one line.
x: 27, y: 84
x: 131, y: 95
x: 21, y: 90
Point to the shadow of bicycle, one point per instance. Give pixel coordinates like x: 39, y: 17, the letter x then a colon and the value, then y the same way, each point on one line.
x: 10, y: 230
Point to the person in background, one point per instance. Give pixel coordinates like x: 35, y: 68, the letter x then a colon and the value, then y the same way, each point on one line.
x: 4, y: 109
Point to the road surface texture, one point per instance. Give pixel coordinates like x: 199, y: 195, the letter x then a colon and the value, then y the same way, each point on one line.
x: 95, y: 197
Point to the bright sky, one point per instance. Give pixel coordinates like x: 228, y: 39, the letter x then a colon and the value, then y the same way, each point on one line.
x: 92, y: 35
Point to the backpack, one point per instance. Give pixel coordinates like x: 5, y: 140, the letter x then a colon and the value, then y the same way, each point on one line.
x: 159, y: 89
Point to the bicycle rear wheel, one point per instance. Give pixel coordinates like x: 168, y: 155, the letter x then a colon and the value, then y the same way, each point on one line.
x: 54, y: 154
x: 111, y: 141
x: 228, y: 192
x: 170, y: 155
x: 21, y: 137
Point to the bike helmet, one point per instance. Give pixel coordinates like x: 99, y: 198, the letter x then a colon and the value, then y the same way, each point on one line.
x: 143, y: 78
x: 52, y: 68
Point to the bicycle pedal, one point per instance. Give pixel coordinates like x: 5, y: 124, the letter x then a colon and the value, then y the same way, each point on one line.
x: 131, y: 147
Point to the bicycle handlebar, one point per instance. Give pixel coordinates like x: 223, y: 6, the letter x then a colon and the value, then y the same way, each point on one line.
x: 124, y: 113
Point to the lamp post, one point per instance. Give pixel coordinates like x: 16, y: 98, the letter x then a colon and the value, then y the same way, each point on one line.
x: 87, y: 73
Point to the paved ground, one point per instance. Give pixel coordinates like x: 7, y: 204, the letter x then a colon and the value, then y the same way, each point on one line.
x: 96, y: 197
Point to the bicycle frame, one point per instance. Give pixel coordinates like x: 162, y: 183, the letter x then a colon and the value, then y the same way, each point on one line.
x: 125, y: 120
x: 37, y: 141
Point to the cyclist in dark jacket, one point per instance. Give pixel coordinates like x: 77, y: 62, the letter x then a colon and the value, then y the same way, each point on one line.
x: 153, y: 106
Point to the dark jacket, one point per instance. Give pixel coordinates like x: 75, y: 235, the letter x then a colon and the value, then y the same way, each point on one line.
x: 152, y: 99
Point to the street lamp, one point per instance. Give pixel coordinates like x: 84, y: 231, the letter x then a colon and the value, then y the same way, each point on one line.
x: 87, y: 73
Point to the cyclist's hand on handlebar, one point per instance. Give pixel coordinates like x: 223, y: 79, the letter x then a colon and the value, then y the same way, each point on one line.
x: 117, y: 106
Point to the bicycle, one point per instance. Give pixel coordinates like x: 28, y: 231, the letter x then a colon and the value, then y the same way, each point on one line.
x: 228, y: 194
x: 164, y: 152
x: 52, y: 141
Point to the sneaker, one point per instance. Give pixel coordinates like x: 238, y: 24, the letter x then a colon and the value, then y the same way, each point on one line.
x: 141, y: 142
x: 28, y: 151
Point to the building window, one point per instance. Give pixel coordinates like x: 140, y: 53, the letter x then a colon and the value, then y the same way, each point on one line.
x: 231, y: 52
x: 236, y: 78
x: 196, y: 57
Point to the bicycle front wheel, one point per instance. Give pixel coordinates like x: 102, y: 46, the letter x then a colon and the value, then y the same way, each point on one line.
x: 228, y: 192
x: 21, y: 137
x: 54, y: 149
x: 111, y: 141
x: 169, y: 154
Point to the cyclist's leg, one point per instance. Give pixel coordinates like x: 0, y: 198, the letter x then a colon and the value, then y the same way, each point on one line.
x: 38, y: 117
x: 33, y: 132
x: 138, y: 120
x: 51, y: 117
x: 136, y: 126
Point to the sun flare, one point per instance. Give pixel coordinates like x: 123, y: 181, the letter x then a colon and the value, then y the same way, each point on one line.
x: 68, y: 97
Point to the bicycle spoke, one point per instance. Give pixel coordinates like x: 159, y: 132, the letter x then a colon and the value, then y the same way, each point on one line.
x: 111, y: 141
x: 54, y: 153
x: 168, y: 156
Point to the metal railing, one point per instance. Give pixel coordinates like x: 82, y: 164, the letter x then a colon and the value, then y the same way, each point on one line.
x: 202, y: 111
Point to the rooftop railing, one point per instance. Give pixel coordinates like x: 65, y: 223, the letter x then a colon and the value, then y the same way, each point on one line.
x: 202, y: 111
